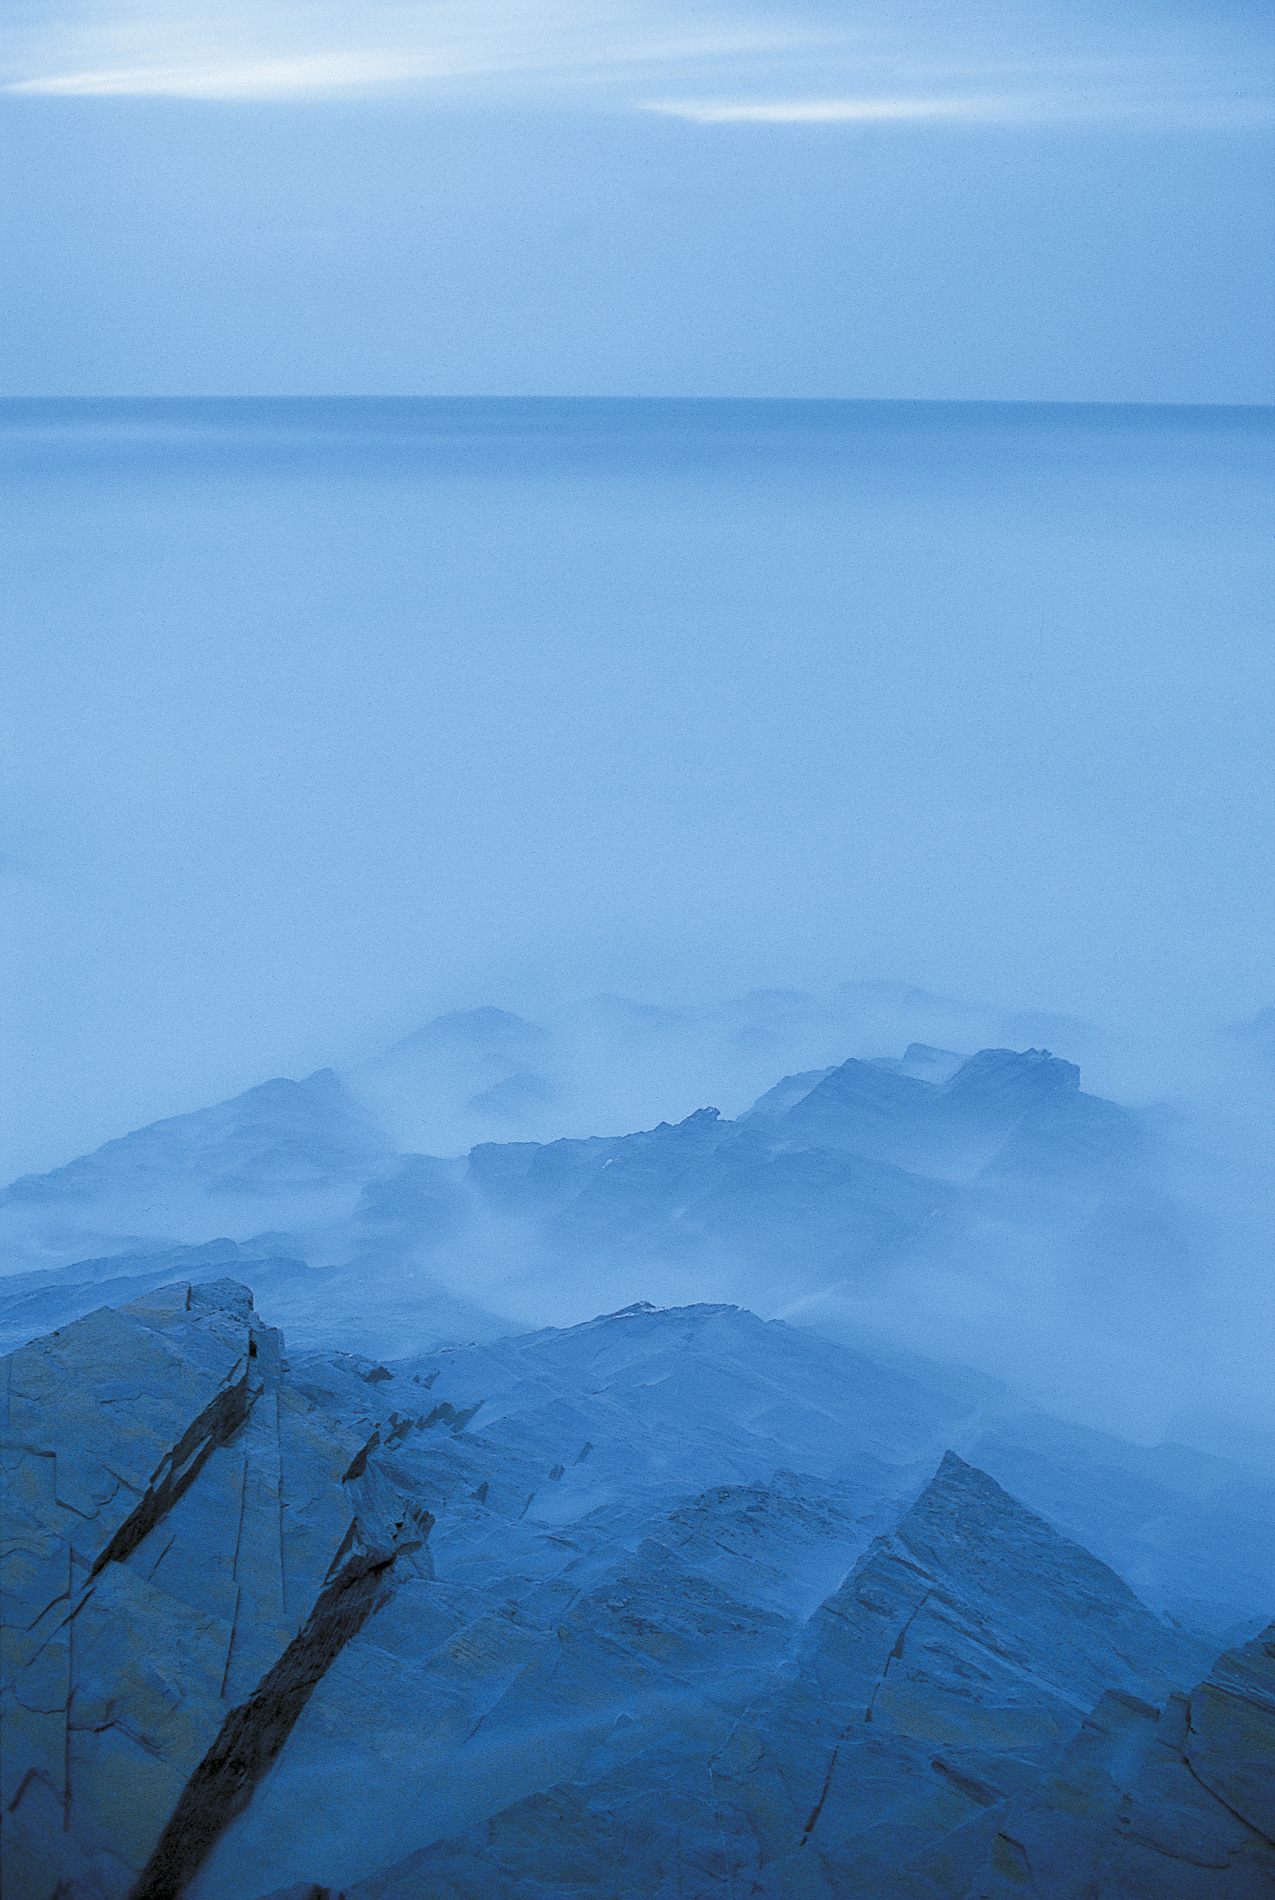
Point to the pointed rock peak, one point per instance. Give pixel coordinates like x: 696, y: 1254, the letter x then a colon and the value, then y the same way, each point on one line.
x: 323, y: 1082
x: 280, y: 1086
x: 1060, y: 1621
x: 958, y: 1484
x: 954, y: 1467
x: 701, y: 1118
x: 788, y: 1092
x: 230, y: 1296
x: 996, y: 1072
x: 869, y: 1083
x: 967, y: 1524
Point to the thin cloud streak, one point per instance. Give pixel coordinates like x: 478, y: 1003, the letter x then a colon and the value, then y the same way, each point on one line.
x: 305, y: 76
x: 289, y: 52
x: 1091, y: 104
x: 738, y: 64
x: 818, y: 111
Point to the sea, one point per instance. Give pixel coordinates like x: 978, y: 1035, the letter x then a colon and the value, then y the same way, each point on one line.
x: 987, y: 519
x: 313, y: 698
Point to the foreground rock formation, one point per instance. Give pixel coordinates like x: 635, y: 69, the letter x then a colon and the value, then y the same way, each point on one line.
x: 1144, y: 1804
x: 188, y: 1545
x: 922, y: 1740
x: 697, y: 1616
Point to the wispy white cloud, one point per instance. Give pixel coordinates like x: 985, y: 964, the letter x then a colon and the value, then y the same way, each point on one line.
x: 306, y: 75
x: 814, y: 111
x: 730, y: 62
x: 1112, y: 96
x: 286, y: 50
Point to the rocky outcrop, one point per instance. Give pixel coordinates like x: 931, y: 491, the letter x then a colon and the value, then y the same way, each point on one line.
x: 1146, y: 1804
x: 189, y: 1542
x: 961, y: 1650
x: 832, y: 1175
x: 34, y: 1304
x: 651, y: 1662
x: 874, y: 1755
x: 281, y: 1136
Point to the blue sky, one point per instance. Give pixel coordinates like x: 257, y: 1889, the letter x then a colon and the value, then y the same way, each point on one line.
x: 1029, y: 202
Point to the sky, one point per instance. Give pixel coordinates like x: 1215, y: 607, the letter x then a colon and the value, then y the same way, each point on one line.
x: 1029, y: 202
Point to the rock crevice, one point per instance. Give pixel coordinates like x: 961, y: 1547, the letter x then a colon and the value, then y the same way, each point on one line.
x: 182, y: 1563
x: 215, y: 1426
x: 253, y: 1734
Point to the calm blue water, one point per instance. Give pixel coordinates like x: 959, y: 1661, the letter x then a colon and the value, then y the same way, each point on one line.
x: 316, y: 701
x: 423, y: 439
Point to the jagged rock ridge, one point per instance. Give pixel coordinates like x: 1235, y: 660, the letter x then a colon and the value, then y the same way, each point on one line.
x: 930, y: 1713
x: 832, y: 1173
x: 647, y: 1656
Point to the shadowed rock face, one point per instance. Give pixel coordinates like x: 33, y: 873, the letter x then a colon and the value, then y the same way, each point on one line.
x: 1174, y: 1804
x: 253, y: 1734
x: 655, y: 1660
x: 183, y: 1561
x: 876, y: 1751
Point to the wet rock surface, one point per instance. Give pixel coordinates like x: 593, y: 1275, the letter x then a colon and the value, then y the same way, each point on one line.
x: 889, y: 1735
x: 704, y: 1610
x: 833, y: 1175
x: 174, y: 1512
x: 935, y: 1175
x: 1146, y: 1804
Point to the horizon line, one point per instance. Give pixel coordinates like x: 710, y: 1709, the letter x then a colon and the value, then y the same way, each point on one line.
x: 14, y: 401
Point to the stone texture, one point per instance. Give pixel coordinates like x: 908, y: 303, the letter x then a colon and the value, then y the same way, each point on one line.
x: 173, y: 1514
x: 1146, y: 1804
x: 874, y: 1749
x: 229, y: 1666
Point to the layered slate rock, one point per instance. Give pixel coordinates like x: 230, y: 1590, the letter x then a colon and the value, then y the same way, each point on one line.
x: 954, y: 1126
x: 935, y: 1685
x: 616, y: 1684
x: 831, y: 1175
x: 502, y: 1678
x: 928, y: 1164
x: 189, y: 1543
x: 1146, y: 1804
x: 961, y: 1650
x: 588, y: 1485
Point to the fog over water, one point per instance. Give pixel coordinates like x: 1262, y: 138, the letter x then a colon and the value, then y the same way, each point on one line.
x: 331, y: 717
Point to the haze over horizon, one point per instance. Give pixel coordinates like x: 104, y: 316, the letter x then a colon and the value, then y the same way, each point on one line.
x: 328, y: 720
x: 503, y: 508
x: 325, y: 722
x: 338, y: 748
